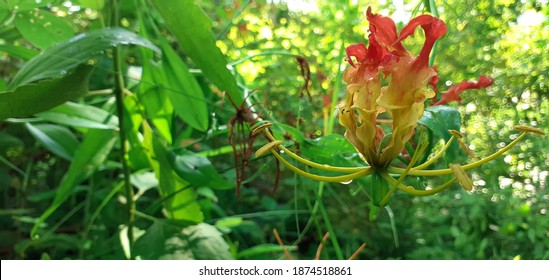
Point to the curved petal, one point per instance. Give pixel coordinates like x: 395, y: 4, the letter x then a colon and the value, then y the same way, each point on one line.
x: 453, y: 93
x: 434, y: 28
x: 385, y: 33
x: 356, y: 50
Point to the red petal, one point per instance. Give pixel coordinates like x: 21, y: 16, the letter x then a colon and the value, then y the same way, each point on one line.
x: 434, y: 80
x: 434, y: 28
x: 452, y: 94
x: 385, y: 33
x: 356, y: 50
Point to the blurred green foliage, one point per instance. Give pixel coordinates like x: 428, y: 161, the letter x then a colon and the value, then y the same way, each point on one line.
x: 184, y: 177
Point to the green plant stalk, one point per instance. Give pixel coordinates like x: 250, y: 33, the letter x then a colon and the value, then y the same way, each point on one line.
x: 119, y: 95
x: 328, y: 130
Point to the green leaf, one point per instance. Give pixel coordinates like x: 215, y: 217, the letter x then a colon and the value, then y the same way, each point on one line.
x: 192, y: 28
x: 34, y: 98
x: 138, y: 155
x: 9, y: 142
x: 19, y: 52
x: 93, y: 151
x: 64, y: 57
x: 157, y: 104
x: 227, y: 224
x: 92, y: 4
x: 25, y: 5
x: 151, y: 93
x: 440, y: 119
x: 144, y: 181
x: 197, y: 170
x: 42, y: 28
x: 296, y: 134
x: 57, y: 139
x: 183, y: 90
x: 4, y: 12
x: 166, y: 242
x: 180, y: 198
x: 330, y: 149
x: 80, y: 115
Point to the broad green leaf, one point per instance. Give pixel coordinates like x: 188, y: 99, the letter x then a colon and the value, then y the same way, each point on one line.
x: 296, y: 134
x: 138, y: 154
x: 42, y: 28
x: 192, y: 28
x: 154, y: 99
x: 157, y: 104
x: 125, y: 241
x: 80, y: 115
x: 62, y: 58
x: 34, y: 98
x: 144, y: 180
x: 4, y: 12
x: 166, y: 242
x: 93, y: 151
x: 92, y: 4
x: 19, y: 52
x: 331, y: 149
x: 440, y: 119
x: 225, y: 225
x: 57, y: 139
x: 197, y: 170
x: 183, y: 90
x: 9, y: 142
x: 180, y: 197
x: 25, y: 5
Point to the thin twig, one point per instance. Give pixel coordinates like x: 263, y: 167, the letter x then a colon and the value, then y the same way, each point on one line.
x: 321, y: 245
x: 358, y: 251
x: 286, y: 252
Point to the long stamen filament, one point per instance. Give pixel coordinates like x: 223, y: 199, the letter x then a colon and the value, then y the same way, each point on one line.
x: 412, y: 191
x: 335, y: 179
x: 420, y: 149
x: 436, y: 156
x: 447, y: 171
x: 314, y: 164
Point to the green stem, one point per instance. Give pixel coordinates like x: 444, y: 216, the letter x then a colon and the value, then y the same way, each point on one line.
x: 119, y: 95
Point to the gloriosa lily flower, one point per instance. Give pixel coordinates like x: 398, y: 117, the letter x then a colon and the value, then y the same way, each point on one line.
x: 402, y: 98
